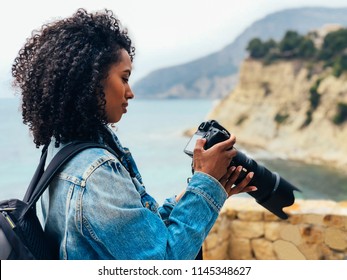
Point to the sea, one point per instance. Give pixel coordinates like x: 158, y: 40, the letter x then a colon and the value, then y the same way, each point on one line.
x: 154, y: 132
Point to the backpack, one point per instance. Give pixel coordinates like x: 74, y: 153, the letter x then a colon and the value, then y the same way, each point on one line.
x: 21, y: 234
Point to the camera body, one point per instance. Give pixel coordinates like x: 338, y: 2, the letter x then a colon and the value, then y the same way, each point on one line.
x: 212, y: 131
x: 273, y: 191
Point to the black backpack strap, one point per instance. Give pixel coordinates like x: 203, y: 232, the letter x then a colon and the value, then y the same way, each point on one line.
x: 37, y: 175
x: 63, y: 156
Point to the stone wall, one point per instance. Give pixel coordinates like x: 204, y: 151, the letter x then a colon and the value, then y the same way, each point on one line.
x: 315, y: 230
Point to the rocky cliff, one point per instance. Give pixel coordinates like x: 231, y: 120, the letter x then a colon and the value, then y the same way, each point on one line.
x: 289, y: 108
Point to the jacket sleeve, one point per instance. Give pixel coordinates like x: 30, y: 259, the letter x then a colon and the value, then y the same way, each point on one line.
x: 167, y: 207
x: 118, y: 226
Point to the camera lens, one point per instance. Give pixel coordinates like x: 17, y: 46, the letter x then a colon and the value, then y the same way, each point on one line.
x: 273, y: 192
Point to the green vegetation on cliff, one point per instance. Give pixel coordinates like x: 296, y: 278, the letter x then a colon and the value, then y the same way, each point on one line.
x: 332, y: 52
x: 341, y: 115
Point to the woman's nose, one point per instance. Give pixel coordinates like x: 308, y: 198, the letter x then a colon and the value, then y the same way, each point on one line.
x: 129, y: 93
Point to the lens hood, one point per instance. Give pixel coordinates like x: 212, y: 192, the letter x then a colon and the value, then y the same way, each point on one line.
x: 281, y: 197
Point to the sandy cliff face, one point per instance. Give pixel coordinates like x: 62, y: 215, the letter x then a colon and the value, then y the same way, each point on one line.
x: 271, y: 108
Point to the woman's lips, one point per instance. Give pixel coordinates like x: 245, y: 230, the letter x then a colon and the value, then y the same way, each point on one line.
x: 125, y: 105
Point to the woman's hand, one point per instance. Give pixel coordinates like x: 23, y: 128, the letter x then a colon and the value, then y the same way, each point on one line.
x: 215, y: 162
x: 229, y: 179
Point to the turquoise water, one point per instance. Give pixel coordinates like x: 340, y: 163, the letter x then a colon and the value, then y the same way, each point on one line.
x: 153, y: 130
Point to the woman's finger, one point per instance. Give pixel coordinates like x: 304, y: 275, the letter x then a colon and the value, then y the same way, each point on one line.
x: 236, y: 173
x: 224, y: 180
x: 243, y: 185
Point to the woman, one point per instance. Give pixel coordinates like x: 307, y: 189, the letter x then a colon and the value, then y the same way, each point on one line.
x: 73, y: 75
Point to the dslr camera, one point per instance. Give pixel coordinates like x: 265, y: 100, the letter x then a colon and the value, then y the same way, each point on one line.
x: 273, y: 192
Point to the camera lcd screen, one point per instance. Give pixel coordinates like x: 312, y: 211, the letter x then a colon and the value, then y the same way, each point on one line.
x: 191, y: 144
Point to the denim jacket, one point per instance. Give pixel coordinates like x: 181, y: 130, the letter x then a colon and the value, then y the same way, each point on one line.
x: 95, y: 209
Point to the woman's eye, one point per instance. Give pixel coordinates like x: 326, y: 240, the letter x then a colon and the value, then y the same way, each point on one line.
x: 125, y: 80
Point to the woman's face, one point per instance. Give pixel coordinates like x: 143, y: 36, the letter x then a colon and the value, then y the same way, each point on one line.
x: 116, y: 88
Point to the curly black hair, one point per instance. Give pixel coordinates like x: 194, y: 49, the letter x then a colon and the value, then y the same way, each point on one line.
x: 59, y: 72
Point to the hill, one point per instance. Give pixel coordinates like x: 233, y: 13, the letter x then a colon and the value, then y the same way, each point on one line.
x: 213, y: 76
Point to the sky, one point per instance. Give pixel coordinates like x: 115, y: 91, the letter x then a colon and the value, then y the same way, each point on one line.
x: 165, y: 33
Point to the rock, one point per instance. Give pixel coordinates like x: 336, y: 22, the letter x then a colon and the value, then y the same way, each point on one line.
x: 269, y: 107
